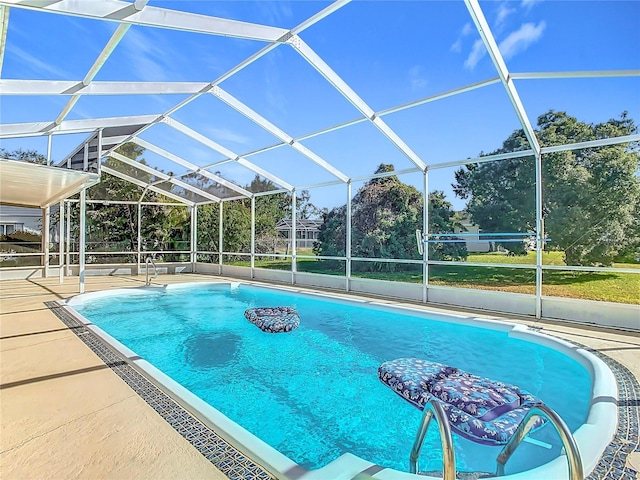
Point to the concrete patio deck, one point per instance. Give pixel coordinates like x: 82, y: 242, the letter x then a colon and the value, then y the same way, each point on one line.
x: 65, y: 414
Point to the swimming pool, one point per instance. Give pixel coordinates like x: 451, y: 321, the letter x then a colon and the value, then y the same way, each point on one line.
x: 313, y: 394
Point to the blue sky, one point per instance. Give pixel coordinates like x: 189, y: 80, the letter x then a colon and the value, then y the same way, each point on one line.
x: 390, y: 53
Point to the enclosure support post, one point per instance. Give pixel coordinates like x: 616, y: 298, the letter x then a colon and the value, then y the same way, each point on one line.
x: 68, y: 238
x: 45, y: 241
x: 347, y: 244
x: 99, y: 153
x: 194, y: 237
x: 139, y: 237
x: 540, y: 235
x: 49, y: 149
x: 253, y: 236
x: 61, y: 265
x: 85, y: 158
x: 82, y: 235
x: 220, y: 239
x: 294, y: 239
x: 425, y: 232
x: 4, y: 25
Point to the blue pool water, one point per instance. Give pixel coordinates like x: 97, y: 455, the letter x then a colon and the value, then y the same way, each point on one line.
x: 313, y: 394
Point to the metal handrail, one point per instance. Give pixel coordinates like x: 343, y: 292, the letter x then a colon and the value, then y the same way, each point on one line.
x: 568, y: 442
x: 155, y: 271
x: 431, y: 408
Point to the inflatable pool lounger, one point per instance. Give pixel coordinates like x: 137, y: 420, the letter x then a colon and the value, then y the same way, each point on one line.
x: 481, y: 410
x: 273, y: 319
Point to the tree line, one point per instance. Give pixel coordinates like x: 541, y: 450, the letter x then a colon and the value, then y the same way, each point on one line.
x: 591, y: 203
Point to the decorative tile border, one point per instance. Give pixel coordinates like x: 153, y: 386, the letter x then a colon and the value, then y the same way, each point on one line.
x: 225, y: 457
x: 235, y: 465
x: 612, y: 464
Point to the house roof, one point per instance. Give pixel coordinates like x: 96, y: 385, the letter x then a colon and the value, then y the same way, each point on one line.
x: 301, y: 224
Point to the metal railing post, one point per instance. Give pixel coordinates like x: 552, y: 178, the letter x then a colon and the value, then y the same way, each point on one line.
x: 46, y: 240
x: 61, y: 264
x: 253, y: 237
x: 139, y: 256
x: 431, y: 408
x: 194, y: 238
x: 539, y: 235
x: 294, y: 238
x: 568, y: 442
x: 68, y: 239
x: 220, y: 239
x: 425, y: 243
x: 347, y: 242
x: 82, y: 236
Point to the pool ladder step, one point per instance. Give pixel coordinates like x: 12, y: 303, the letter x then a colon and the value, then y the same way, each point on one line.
x: 460, y: 475
x: 434, y: 408
x: 148, y: 261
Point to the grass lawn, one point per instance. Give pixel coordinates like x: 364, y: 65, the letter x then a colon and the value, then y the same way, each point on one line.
x: 604, y: 286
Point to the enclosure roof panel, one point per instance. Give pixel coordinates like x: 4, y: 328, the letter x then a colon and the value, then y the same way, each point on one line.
x: 33, y: 185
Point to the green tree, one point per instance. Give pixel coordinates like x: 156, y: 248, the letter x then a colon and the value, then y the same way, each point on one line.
x: 114, y: 226
x: 270, y: 209
x: 31, y: 156
x: 385, y: 213
x: 208, y: 221
x: 591, y: 196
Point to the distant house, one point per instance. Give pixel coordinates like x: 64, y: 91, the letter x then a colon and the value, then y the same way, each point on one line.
x: 25, y: 219
x: 20, y: 219
x: 307, y: 231
x: 471, y: 235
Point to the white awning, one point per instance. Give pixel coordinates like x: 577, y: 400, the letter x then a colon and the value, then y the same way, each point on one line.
x: 32, y: 185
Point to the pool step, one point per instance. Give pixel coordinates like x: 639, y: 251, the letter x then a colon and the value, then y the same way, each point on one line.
x: 460, y: 475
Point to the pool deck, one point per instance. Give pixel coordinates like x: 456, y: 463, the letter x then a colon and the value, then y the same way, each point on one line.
x: 65, y: 414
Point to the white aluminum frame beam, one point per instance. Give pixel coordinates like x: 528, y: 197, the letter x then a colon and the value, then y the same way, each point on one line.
x: 339, y: 84
x: 4, y: 26
x: 503, y: 72
x: 142, y: 184
x: 16, y: 130
x: 194, y: 168
x: 592, y: 143
x: 191, y: 166
x: 207, y: 142
x: 207, y: 88
x: 79, y: 88
x: 576, y: 74
x: 164, y: 176
x: 97, y: 65
x: 439, y: 96
x: 125, y: 12
x: 265, y: 124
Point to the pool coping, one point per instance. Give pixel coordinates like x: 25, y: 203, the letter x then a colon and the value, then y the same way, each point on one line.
x: 227, y: 455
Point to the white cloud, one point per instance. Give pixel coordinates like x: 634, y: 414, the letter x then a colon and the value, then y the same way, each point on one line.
x: 466, y: 30
x: 503, y: 12
x: 36, y: 65
x: 417, y: 78
x: 527, y: 4
x: 477, y: 52
x: 149, y: 55
x: 521, y: 39
x: 275, y: 13
x: 273, y: 93
x: 229, y: 135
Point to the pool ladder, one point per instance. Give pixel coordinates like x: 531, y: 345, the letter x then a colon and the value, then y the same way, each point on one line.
x: 148, y: 261
x: 434, y: 408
